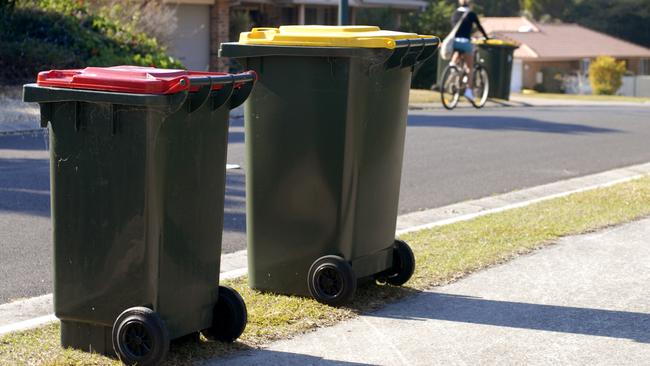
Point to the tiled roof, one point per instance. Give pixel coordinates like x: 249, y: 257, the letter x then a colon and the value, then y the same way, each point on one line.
x: 508, y: 24
x: 561, y: 41
x: 399, y: 4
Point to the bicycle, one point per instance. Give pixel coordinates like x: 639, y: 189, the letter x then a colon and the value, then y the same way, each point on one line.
x: 455, y: 80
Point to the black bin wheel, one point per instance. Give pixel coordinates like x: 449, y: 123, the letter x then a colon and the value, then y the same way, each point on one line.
x: 140, y: 337
x: 229, y: 317
x: 331, y: 281
x: 403, y: 264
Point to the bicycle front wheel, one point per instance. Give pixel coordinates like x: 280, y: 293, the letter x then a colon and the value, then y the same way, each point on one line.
x: 481, y: 86
x: 450, y: 87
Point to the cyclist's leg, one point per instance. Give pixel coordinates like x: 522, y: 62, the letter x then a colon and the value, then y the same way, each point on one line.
x: 469, y: 62
x: 455, y: 58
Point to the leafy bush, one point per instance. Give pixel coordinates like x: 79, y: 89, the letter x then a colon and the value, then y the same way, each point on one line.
x: 46, y: 34
x: 152, y: 17
x: 606, y: 75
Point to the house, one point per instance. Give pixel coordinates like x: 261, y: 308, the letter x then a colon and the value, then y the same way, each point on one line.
x: 556, y: 57
x: 203, y: 24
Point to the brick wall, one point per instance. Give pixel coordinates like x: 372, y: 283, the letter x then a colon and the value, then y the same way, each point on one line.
x: 219, y: 32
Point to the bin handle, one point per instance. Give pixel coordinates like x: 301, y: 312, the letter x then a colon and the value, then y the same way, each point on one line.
x: 240, y: 94
x: 410, y: 52
x: 221, y: 96
x: 198, y: 99
x: 229, y: 82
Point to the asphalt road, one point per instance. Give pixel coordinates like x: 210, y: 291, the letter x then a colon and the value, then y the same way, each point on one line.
x: 450, y: 157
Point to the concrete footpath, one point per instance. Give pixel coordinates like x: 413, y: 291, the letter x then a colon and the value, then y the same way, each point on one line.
x: 582, y: 301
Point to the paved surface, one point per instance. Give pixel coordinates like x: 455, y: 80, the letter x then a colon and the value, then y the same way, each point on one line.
x: 583, y: 301
x: 450, y: 157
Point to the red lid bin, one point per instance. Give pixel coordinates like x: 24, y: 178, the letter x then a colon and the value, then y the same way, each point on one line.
x: 138, y: 80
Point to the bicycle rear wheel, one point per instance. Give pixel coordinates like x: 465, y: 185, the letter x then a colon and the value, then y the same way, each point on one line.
x: 481, y: 86
x: 450, y: 87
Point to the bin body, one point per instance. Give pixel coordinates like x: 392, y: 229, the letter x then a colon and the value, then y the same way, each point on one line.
x: 325, y: 131
x: 497, y: 60
x: 496, y: 57
x: 137, y: 186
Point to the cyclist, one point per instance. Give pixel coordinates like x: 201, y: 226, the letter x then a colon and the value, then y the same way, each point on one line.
x: 462, y: 43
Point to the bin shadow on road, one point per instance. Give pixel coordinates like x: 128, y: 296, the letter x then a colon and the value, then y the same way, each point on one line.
x: 491, y: 122
x: 562, y: 319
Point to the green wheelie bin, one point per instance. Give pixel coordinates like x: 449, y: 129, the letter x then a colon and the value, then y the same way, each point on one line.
x: 325, y: 129
x: 137, y: 165
x: 496, y: 56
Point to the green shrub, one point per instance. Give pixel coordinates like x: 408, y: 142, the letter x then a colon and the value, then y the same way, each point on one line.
x: 48, y: 34
x: 606, y: 75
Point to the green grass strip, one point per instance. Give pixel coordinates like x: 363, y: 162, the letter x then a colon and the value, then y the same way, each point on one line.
x: 589, y: 97
x: 444, y: 254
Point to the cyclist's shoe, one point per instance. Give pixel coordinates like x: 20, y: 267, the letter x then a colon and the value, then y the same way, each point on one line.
x: 469, y: 94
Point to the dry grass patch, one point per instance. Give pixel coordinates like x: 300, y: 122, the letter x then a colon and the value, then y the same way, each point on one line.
x: 421, y: 96
x: 592, y: 98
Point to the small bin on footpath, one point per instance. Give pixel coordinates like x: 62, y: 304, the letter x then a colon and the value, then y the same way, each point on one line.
x: 325, y: 130
x: 138, y: 158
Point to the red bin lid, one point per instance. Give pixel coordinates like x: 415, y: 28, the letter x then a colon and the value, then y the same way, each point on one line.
x: 123, y: 79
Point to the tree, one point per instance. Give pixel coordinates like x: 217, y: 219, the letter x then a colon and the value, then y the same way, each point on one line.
x: 627, y: 19
x: 435, y: 20
x: 548, y: 9
x: 606, y: 75
x: 500, y: 8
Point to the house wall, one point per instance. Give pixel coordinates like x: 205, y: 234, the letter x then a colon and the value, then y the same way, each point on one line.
x: 192, y: 42
x: 219, y: 33
x: 531, y: 70
x: 516, y: 80
x: 638, y: 66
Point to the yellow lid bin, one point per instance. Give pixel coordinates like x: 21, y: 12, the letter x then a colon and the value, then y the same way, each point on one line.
x: 330, y: 36
x: 496, y: 42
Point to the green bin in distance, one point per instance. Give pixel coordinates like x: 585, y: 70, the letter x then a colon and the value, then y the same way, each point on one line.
x: 325, y: 129
x: 496, y: 56
x: 137, y: 164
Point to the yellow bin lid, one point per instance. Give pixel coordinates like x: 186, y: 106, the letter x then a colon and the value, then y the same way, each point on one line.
x: 358, y: 36
x: 496, y: 42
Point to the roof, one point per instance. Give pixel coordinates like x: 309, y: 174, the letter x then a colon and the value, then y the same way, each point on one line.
x: 559, y: 42
x: 508, y: 24
x: 398, y: 4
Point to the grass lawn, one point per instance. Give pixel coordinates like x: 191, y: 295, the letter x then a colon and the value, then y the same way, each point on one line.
x: 424, y: 96
x: 592, y: 98
x: 444, y: 254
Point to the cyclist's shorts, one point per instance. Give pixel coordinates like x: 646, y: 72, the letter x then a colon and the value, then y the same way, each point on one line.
x: 463, y: 45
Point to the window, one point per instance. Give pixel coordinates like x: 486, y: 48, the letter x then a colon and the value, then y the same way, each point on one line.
x: 584, y: 66
x: 289, y: 16
x: 644, y: 66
